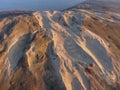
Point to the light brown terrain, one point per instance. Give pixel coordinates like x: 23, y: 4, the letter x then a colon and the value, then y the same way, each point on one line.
x: 74, y: 49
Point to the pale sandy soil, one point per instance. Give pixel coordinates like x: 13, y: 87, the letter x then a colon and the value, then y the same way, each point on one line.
x: 75, y: 49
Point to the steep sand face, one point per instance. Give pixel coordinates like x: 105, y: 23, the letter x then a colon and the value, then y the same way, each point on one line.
x: 71, y: 50
x: 25, y: 56
x: 84, y: 56
x: 15, y: 73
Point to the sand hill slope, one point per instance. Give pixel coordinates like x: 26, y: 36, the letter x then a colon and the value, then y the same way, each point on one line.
x: 75, y: 49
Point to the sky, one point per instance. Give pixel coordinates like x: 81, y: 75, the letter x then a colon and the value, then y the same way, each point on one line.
x: 37, y: 4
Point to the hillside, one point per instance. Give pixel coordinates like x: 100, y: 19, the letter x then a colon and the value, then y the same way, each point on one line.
x: 74, y: 49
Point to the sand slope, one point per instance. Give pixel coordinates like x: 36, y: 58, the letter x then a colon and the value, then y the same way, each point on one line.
x: 75, y: 49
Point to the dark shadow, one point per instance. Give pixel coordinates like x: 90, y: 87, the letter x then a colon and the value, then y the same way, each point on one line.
x: 53, y: 79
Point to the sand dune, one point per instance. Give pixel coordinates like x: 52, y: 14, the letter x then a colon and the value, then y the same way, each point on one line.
x: 75, y: 49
